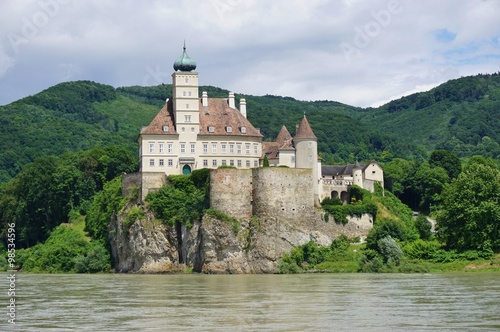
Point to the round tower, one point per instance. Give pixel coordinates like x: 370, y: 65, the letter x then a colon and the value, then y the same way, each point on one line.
x: 306, y: 152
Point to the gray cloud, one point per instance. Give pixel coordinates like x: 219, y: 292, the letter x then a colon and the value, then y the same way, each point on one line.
x: 357, y: 52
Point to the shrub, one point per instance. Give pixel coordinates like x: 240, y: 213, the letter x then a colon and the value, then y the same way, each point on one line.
x: 390, y: 250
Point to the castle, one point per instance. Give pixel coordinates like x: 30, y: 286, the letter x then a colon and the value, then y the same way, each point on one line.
x: 191, y: 133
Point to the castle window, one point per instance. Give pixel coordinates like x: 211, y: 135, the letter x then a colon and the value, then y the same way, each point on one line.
x: 239, y: 148
x: 231, y: 148
x: 224, y: 162
x: 214, y: 148
x: 255, y: 163
x: 170, y: 162
x: 310, y: 158
x: 183, y: 147
x: 373, y: 172
x: 243, y: 130
x: 231, y: 162
x: 165, y: 128
x: 309, y: 145
x: 189, y: 93
x: 187, y: 118
x: 229, y: 129
x: 184, y: 93
x: 205, y: 163
x: 239, y: 163
x: 160, y: 147
x: 247, y: 148
x: 223, y: 147
x: 187, y: 106
x: 192, y: 129
x: 211, y: 129
x: 205, y: 148
x: 255, y: 149
x: 186, y: 80
x: 170, y: 147
x: 293, y: 159
x: 214, y: 163
x: 183, y: 129
x: 151, y: 162
x: 162, y: 162
x: 151, y: 147
x: 248, y: 163
x: 192, y: 147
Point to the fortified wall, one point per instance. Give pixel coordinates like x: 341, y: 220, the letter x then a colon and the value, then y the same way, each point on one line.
x: 264, y: 192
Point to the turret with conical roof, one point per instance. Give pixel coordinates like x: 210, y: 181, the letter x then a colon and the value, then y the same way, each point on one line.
x: 306, y: 151
x: 184, y: 62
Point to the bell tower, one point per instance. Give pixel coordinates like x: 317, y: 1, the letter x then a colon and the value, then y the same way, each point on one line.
x: 185, y: 95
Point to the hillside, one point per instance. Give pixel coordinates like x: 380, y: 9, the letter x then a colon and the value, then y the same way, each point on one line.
x: 461, y: 115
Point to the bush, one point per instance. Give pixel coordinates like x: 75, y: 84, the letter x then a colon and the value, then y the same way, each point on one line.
x: 423, y: 227
x: 390, y: 250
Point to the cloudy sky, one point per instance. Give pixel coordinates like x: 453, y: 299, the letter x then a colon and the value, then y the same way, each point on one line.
x: 358, y: 52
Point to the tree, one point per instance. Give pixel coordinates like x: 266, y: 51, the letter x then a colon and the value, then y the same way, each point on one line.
x: 470, y: 212
x: 447, y: 160
x: 266, y: 162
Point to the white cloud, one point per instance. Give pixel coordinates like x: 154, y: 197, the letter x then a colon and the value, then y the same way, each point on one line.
x: 285, y: 47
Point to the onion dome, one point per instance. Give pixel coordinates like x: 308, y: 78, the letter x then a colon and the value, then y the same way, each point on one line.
x: 184, y: 62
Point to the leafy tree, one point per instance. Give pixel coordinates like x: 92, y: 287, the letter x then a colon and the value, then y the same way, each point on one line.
x: 470, y: 211
x: 179, y: 201
x: 447, y: 160
x: 105, y: 204
x: 395, y: 175
x: 423, y: 227
x: 388, y: 227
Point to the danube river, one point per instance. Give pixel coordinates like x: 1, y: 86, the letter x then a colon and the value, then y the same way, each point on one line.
x: 306, y: 302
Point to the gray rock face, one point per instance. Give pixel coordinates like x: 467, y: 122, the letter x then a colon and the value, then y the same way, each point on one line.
x: 146, y: 246
x: 213, y: 246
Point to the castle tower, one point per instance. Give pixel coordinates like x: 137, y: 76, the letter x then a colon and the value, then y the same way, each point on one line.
x: 186, y: 106
x: 306, y: 152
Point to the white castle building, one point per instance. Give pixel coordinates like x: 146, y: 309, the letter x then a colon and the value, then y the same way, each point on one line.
x: 191, y: 133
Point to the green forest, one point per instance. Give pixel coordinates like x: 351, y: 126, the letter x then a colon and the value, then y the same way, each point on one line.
x: 64, y: 149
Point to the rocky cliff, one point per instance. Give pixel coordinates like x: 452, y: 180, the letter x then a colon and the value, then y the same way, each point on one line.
x: 216, y: 246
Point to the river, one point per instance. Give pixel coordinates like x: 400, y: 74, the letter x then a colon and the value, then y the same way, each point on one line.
x: 305, y: 302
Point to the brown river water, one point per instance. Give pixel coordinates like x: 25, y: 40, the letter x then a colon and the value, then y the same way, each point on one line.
x: 305, y: 302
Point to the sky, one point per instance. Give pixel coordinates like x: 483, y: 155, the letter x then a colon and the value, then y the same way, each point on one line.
x: 358, y: 52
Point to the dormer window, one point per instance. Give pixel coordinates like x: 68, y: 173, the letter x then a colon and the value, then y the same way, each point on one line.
x: 243, y: 130
x: 229, y: 129
x: 165, y: 128
x: 211, y: 129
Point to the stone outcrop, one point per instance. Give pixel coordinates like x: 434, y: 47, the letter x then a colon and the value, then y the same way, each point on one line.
x: 145, y: 246
x: 215, y: 246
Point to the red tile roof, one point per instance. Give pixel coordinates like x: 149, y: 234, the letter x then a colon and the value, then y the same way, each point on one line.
x: 163, y: 118
x: 304, y: 130
x: 220, y: 116
x: 217, y: 115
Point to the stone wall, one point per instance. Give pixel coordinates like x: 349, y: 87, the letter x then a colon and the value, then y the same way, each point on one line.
x: 152, y: 182
x: 282, y: 192
x: 231, y: 191
x: 129, y: 181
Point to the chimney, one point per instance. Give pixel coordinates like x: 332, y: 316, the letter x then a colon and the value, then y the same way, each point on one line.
x: 231, y: 100
x: 243, y: 107
x: 204, y: 99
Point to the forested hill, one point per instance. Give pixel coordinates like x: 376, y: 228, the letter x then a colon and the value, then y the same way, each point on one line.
x: 461, y: 115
